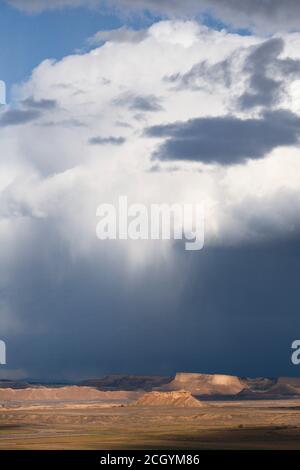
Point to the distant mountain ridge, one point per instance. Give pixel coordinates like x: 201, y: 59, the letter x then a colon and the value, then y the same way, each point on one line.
x: 128, y: 382
x: 229, y: 386
x: 70, y: 393
x: 203, y: 386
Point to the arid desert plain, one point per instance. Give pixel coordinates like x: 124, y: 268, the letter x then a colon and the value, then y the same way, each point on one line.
x: 188, y: 411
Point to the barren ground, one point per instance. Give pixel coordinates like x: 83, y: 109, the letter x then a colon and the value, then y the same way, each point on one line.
x: 216, y: 425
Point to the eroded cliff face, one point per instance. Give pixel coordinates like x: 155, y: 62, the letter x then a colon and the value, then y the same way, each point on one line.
x: 207, y: 384
x: 177, y: 399
x: 127, y: 388
x: 69, y: 393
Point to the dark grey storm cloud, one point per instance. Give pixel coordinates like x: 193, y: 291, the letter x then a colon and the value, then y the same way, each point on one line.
x: 226, y: 139
x: 14, y: 117
x: 143, y: 103
x: 227, y: 312
x: 267, y: 75
x: 262, y: 64
x: 107, y: 140
x: 263, y: 15
x: 262, y: 89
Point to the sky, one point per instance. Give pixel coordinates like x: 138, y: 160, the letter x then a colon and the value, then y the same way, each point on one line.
x: 164, y: 102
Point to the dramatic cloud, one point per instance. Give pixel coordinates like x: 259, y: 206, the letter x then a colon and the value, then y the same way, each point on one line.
x: 266, y: 76
x: 104, y: 326
x: 226, y: 140
x: 262, y: 65
x: 72, y: 305
x: 262, y: 89
x: 263, y: 15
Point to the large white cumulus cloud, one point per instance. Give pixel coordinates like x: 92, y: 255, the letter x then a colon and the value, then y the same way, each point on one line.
x: 78, y: 135
x: 77, y: 138
x: 87, y: 143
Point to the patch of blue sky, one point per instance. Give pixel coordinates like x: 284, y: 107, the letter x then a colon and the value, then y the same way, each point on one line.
x: 209, y: 20
x: 26, y: 40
